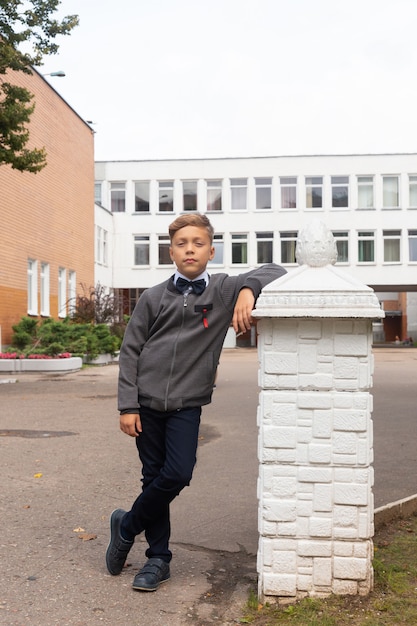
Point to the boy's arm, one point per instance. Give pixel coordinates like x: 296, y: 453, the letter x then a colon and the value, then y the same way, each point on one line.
x: 244, y: 306
x: 130, y: 424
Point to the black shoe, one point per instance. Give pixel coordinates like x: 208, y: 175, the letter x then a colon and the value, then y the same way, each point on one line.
x: 118, y: 548
x: 152, y: 574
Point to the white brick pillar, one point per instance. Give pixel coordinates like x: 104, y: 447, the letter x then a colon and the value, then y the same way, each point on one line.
x: 315, y: 429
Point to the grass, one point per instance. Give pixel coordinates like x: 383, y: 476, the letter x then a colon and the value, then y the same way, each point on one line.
x: 393, y: 601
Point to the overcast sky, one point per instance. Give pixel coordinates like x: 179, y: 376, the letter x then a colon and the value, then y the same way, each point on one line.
x: 226, y: 78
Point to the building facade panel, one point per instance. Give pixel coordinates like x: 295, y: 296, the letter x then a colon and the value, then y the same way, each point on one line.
x: 47, y: 218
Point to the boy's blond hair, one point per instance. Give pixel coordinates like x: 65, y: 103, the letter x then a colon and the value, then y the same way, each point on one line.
x: 191, y: 219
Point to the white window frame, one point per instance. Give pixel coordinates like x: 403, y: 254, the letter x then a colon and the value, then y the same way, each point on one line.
x: 262, y: 184
x: 338, y: 183
x: 239, y: 194
x: 141, y: 242
x: 288, y: 242
x: 164, y: 188
x: 366, y: 183
x: 412, y: 245
x: 118, y: 205
x: 147, y: 200
x: 343, y: 238
x: 286, y: 184
x: 62, y: 292
x: 412, y: 191
x: 366, y: 236
x: 218, y: 244
x: 212, y: 197
x: 45, y: 289
x: 386, y: 192
x: 32, y: 287
x: 261, y: 238
x: 312, y: 183
x: 163, y: 246
x: 72, y: 292
x: 392, y: 244
x: 241, y: 240
x: 193, y: 188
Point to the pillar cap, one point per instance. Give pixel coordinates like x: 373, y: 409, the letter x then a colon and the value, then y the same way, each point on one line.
x: 317, y: 288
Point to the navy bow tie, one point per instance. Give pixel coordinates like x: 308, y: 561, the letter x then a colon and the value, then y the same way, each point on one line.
x: 197, y: 286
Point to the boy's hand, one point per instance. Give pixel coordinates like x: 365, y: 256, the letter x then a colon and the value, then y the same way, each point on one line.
x: 244, y: 306
x: 130, y: 424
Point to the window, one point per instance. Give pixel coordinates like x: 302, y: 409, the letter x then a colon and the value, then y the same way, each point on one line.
x: 72, y: 292
x: 366, y: 192
x: 239, y: 249
x: 142, y: 196
x: 141, y: 250
x: 32, y: 275
x: 214, y: 195
x: 412, y: 246
x: 390, y: 192
x: 62, y: 292
x: 412, y: 188
x: 263, y: 188
x: 314, y: 192
x: 189, y: 195
x: 101, y: 246
x: 288, y: 245
x: 118, y: 197
x: 163, y: 250
x: 342, y: 246
x: 166, y: 196
x: 97, y: 192
x: 366, y: 247
x: 288, y: 192
x: 218, y: 245
x: 340, y: 192
x: 239, y: 193
x: 264, y: 247
x: 392, y: 246
x: 45, y: 310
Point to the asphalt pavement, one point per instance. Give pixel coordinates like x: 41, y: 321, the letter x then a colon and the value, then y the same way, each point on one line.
x: 65, y: 466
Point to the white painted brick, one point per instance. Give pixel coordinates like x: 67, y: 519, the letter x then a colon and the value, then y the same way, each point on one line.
x: 310, y: 329
x: 315, y: 475
x: 303, y: 526
x: 277, y: 437
x: 304, y: 435
x: 322, y: 572
x: 320, y: 527
x: 346, y: 516
x: 345, y: 443
x: 322, y: 424
x: 323, y: 498
x: 350, y: 568
x: 304, y: 582
x: 319, y: 453
x: 319, y: 381
x: 344, y: 587
x: 348, y: 344
x: 287, y: 382
x: 279, y: 511
x: 314, y: 548
x: 302, y: 453
x: 287, y: 529
x: 281, y: 363
x: 351, y: 494
x: 308, y: 400
x: 350, y: 420
x: 346, y: 367
x: 284, y: 487
x: 284, y: 562
x: 304, y: 508
x: 279, y: 585
x: 284, y: 414
x: 343, y: 548
x: 307, y: 359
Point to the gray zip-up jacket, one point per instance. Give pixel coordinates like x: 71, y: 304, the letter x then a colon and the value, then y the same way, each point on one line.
x: 172, y: 344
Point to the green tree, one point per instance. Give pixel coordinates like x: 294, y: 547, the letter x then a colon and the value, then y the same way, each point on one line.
x: 24, y: 25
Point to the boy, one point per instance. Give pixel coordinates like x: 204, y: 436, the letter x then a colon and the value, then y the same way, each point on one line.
x: 168, y: 362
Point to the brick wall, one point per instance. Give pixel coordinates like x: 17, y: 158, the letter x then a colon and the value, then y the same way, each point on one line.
x: 48, y: 216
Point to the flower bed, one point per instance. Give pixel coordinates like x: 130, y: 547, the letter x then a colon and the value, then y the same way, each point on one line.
x: 11, y: 362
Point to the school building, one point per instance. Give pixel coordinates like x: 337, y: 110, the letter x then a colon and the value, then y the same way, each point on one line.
x: 47, y: 219
x: 257, y: 206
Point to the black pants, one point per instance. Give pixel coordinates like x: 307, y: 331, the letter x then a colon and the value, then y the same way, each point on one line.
x: 167, y: 448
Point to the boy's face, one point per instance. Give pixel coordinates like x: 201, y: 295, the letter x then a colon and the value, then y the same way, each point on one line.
x: 191, y: 250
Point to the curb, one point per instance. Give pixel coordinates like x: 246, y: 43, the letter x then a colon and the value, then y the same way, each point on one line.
x: 396, y: 510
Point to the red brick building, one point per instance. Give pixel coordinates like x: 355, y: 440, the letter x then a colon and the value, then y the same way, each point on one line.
x: 47, y: 219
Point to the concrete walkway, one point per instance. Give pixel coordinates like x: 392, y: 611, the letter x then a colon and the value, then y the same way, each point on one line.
x: 65, y: 466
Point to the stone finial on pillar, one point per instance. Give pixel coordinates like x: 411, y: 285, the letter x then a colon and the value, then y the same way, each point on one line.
x: 315, y: 429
